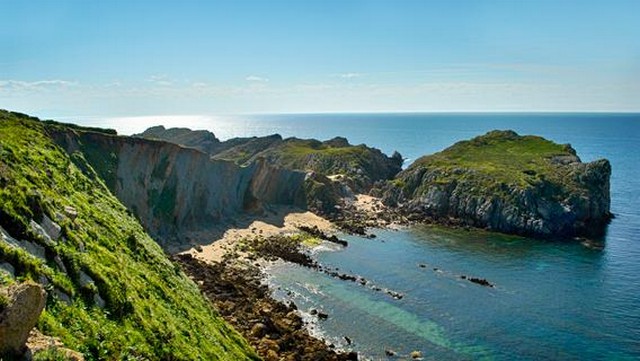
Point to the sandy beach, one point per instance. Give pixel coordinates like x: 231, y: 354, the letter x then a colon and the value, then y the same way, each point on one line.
x: 283, y: 220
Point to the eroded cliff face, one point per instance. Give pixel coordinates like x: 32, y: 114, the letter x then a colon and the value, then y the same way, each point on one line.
x: 507, y: 183
x: 358, y: 167
x: 181, y: 195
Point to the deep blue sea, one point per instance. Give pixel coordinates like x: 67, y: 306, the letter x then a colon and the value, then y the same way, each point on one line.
x: 551, y: 301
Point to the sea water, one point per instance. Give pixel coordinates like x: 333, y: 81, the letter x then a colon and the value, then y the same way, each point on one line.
x: 551, y: 300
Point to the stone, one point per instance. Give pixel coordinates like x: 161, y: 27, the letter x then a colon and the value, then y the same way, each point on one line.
x: 62, y: 296
x: 26, y: 302
x: 258, y: 330
x: 99, y: 301
x: 43, y: 280
x: 351, y: 356
x: 85, y: 279
x: 58, y: 261
x: 271, y: 356
x: 416, y: 355
x: 34, y: 249
x: 59, y: 217
x: 70, y: 212
x: 8, y: 268
x: 37, y: 229
x: 39, y: 343
x: 52, y: 228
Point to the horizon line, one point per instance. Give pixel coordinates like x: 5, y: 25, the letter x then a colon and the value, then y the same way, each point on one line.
x: 407, y: 112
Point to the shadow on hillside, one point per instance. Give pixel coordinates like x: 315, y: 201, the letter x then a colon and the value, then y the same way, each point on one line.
x: 248, y: 223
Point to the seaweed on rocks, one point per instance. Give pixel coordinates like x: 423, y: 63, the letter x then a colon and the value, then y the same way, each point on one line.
x: 283, y: 247
x: 316, y: 232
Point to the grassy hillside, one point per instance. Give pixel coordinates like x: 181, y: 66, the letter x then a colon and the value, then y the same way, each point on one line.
x: 361, y: 164
x: 499, y: 157
x: 112, y: 292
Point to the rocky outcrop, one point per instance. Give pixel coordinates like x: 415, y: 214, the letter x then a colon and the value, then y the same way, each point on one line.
x: 356, y: 166
x: 201, y: 140
x: 508, y: 183
x: 19, y: 313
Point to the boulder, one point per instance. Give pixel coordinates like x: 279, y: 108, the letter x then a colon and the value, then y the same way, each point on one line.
x: 8, y: 268
x: 25, y: 302
x: 51, y: 228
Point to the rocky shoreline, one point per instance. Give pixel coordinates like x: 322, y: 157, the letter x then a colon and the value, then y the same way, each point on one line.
x: 273, y: 328
x: 234, y: 282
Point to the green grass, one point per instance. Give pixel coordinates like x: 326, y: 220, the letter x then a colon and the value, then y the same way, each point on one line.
x: 360, y: 164
x: 497, y: 158
x: 333, y: 157
x: 50, y: 354
x: 331, y: 160
x: 153, y: 311
x: 4, y: 301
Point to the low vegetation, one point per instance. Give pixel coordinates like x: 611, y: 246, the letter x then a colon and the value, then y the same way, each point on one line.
x: 112, y: 292
x: 495, y: 162
x: 503, y: 155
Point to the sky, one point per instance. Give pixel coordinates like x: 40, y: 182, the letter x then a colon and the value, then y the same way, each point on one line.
x: 66, y: 59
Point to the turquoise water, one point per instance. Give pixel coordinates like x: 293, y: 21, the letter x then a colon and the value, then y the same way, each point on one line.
x: 551, y: 301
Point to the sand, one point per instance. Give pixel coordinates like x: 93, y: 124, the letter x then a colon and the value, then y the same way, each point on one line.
x: 283, y: 220
x: 367, y: 204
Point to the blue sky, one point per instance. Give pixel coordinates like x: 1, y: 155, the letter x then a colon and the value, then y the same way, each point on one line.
x: 130, y: 58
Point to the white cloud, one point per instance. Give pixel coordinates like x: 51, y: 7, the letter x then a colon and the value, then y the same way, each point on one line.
x: 39, y: 85
x: 258, y: 79
x: 160, y: 79
x: 349, y: 75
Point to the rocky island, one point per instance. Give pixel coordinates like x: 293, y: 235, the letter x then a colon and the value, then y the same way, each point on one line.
x: 508, y: 183
x: 91, y: 215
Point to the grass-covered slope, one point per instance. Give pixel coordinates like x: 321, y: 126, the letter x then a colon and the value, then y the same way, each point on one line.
x: 500, y: 156
x: 112, y: 292
x: 335, y: 156
x: 509, y: 183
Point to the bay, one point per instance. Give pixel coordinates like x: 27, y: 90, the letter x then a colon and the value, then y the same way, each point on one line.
x: 551, y: 300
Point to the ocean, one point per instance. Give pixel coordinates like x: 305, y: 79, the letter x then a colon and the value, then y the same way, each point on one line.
x: 551, y: 300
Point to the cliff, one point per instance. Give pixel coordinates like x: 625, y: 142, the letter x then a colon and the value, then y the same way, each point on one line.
x: 181, y: 195
x: 111, y: 291
x: 356, y: 166
x: 508, y: 183
x: 201, y: 140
